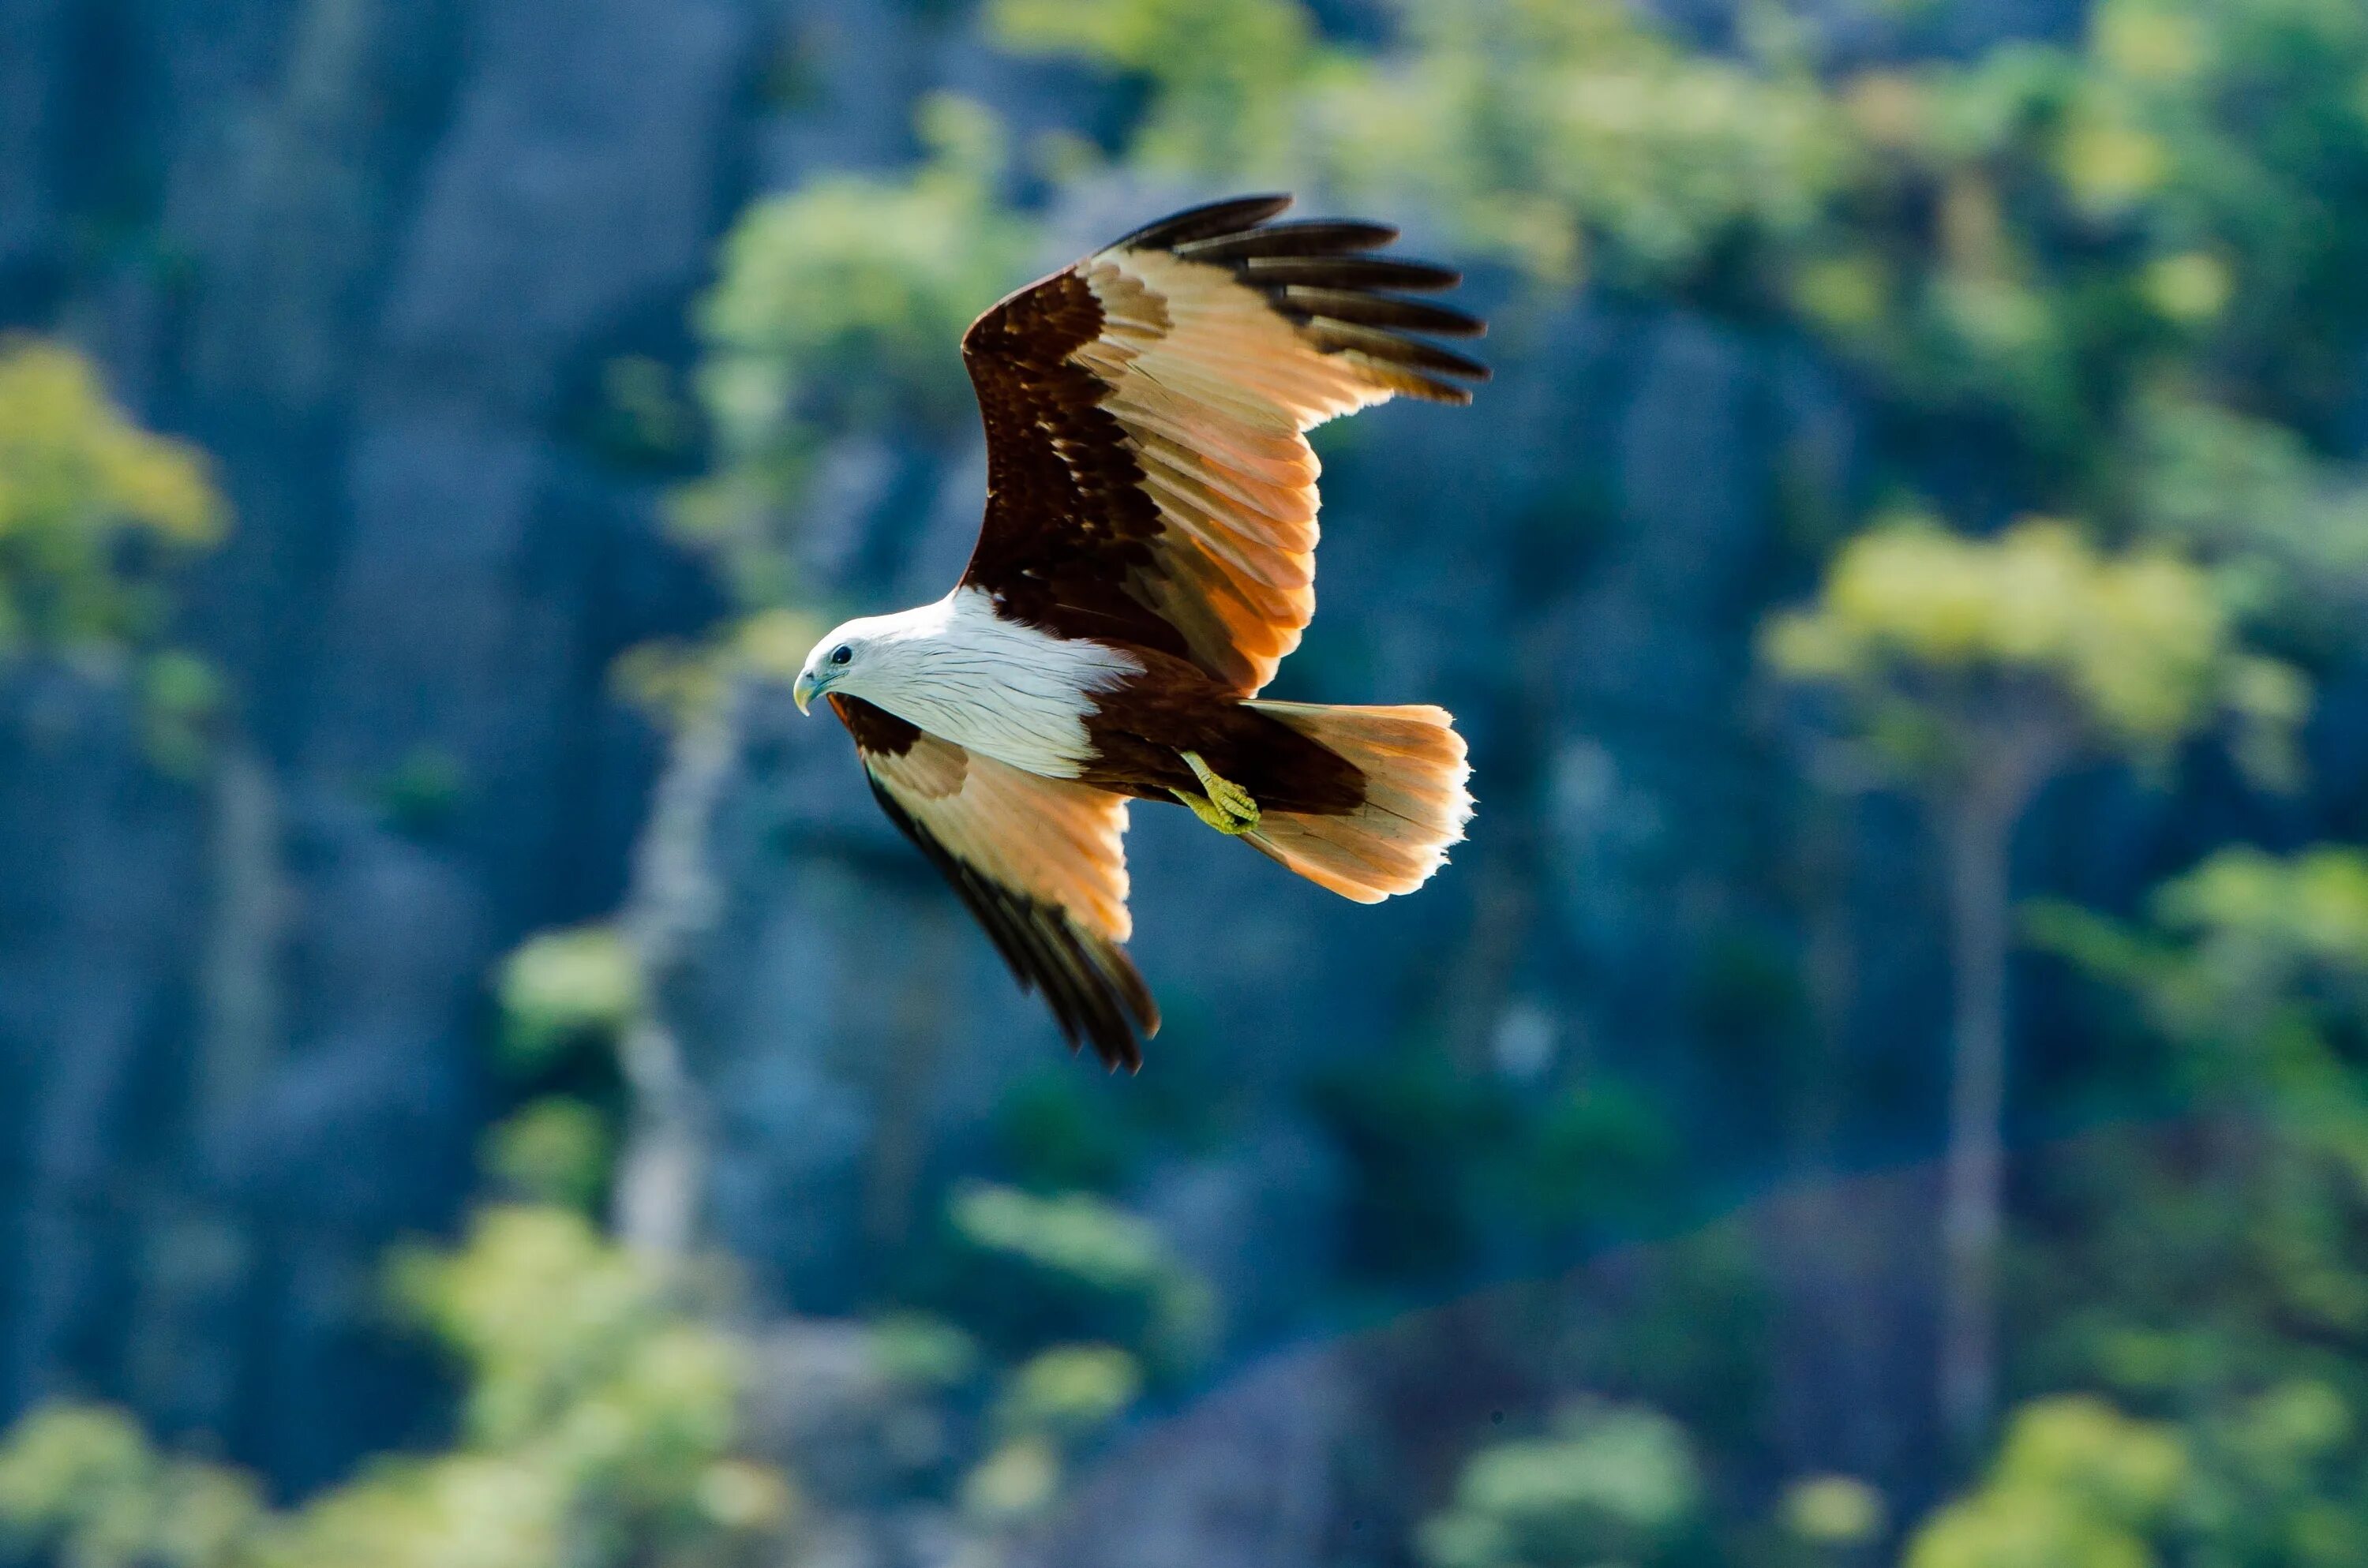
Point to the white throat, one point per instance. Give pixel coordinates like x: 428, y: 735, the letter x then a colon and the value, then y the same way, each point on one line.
x: 1008, y: 691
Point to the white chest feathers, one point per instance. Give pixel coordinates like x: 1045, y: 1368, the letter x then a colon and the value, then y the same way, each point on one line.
x: 1003, y: 689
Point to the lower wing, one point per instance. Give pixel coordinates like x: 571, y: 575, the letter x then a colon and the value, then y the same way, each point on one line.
x: 1041, y: 863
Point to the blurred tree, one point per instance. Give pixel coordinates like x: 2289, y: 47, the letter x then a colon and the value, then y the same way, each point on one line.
x: 562, y: 989
x: 94, y: 512
x: 2287, y: 530
x: 2045, y: 239
x: 1973, y: 673
x: 91, y: 508
x: 841, y: 308
x: 81, y: 1487
x: 571, y: 1001
x: 2077, y: 1486
x: 1050, y: 1317
x: 2218, y: 1278
x: 557, y: 1150
x: 1222, y: 74
x: 599, y: 1428
x: 1029, y: 1273
x: 1580, y: 138
x: 1613, y: 1488
x: 2256, y: 967
x: 1058, y: 1398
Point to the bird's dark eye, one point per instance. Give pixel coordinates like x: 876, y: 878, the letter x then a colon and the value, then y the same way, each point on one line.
x: 841, y: 653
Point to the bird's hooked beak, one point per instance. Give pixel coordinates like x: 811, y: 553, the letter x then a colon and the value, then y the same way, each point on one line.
x: 803, y: 693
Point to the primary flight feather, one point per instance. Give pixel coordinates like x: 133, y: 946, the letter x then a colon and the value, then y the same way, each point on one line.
x: 1147, y: 560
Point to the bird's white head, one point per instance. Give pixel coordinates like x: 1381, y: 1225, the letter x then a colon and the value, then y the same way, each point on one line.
x: 871, y: 656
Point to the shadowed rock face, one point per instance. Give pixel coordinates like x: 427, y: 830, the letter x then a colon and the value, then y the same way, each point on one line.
x: 375, y: 255
x: 363, y: 251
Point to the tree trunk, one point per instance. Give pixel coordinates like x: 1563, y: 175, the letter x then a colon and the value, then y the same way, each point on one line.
x: 1979, y: 828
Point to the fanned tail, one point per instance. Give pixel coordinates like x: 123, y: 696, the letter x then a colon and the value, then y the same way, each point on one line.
x: 1415, y: 803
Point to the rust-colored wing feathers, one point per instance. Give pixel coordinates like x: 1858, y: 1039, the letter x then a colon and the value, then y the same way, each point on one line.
x: 1040, y: 862
x: 1149, y: 477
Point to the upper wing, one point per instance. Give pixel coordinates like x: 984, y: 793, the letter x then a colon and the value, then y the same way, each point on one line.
x: 1040, y: 862
x: 1148, y: 479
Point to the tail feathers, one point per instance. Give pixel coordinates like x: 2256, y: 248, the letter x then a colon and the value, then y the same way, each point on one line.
x: 1415, y: 803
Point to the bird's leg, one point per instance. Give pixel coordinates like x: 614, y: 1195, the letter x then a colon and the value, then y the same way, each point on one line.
x: 1227, y: 807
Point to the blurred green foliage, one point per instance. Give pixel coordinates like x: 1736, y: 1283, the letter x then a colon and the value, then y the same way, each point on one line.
x: 1611, y: 1488
x: 601, y: 1426
x: 1834, y: 1516
x: 92, y: 509
x: 2288, y: 534
x: 2076, y: 1484
x: 1944, y: 645
x: 921, y: 1351
x: 564, y: 990
x: 1069, y: 1389
x: 80, y: 1485
x: 1220, y: 73
x: 565, y: 1000
x: 2254, y: 970
x: 1576, y: 138
x: 1054, y: 1403
x: 2216, y: 1283
x: 96, y: 512
x: 181, y: 699
x: 844, y: 303
x: 1052, y: 1316
x: 1028, y: 1272
x: 841, y: 308
x: 556, y: 1148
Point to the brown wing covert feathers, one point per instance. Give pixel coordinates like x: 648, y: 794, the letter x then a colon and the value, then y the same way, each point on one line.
x: 1149, y: 477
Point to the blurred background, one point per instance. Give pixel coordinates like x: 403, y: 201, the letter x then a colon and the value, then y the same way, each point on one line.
x: 481, y: 1087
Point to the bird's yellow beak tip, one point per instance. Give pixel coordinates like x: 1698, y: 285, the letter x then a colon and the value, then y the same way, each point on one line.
x: 802, y: 692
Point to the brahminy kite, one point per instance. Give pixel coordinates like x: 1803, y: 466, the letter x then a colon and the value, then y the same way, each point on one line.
x: 1146, y: 560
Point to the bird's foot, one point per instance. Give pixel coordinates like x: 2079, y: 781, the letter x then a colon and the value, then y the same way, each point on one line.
x: 1227, y: 807
x: 1214, y: 814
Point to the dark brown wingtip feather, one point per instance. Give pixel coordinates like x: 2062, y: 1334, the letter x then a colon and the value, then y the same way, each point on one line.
x: 1307, y: 236
x: 1208, y: 221
x: 1348, y: 272
x: 1333, y: 335
x: 1320, y: 274
x: 1380, y: 310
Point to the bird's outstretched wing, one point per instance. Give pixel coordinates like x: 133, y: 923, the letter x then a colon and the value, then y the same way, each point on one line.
x: 1148, y: 477
x: 1040, y: 862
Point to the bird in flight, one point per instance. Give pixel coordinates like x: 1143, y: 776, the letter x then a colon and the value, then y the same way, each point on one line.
x: 1147, y: 560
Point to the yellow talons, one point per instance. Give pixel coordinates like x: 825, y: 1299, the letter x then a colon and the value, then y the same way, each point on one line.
x: 1227, y: 807
x: 1210, y: 813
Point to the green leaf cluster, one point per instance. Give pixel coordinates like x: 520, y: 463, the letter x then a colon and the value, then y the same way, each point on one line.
x: 1036, y: 1270
x: 92, y: 509
x: 2076, y: 1484
x: 840, y: 309
x: 1611, y: 1488
x: 1935, y: 639
x: 562, y: 989
x: 600, y: 1430
x: 81, y: 1485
